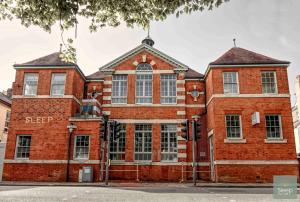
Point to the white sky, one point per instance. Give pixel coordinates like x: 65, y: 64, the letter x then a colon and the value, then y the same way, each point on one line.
x: 265, y: 26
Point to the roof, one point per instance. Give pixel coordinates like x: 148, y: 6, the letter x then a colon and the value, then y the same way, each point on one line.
x: 5, y: 100
x: 240, y: 56
x: 53, y: 59
x: 192, y: 74
x: 96, y: 76
x: 140, y: 48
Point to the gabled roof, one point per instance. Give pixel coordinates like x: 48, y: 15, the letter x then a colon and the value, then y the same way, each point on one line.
x: 53, y: 59
x: 139, y: 49
x: 5, y: 100
x: 240, y: 56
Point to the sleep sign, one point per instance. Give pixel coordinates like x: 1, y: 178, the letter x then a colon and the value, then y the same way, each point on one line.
x: 38, y: 119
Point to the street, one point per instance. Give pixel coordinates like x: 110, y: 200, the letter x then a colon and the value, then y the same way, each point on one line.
x: 168, y: 192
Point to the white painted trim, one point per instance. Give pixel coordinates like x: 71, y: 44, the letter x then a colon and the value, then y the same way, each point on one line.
x: 150, y: 120
x: 235, y: 141
x: 106, y: 112
x: 275, y: 141
x: 94, y: 80
x: 247, y: 96
x: 159, y: 71
x: 155, y: 105
x: 107, y: 82
x: 180, y: 89
x: 180, y: 81
x: 180, y: 138
x: 210, y: 133
x: 251, y: 65
x: 98, y: 162
x: 182, y: 155
x: 180, y: 97
x: 35, y: 161
x: 107, y: 90
x: 181, y: 146
x: 256, y: 162
x: 181, y: 113
x: 106, y: 97
x: 46, y: 97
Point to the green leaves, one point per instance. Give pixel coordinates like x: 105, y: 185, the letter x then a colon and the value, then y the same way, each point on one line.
x: 45, y: 13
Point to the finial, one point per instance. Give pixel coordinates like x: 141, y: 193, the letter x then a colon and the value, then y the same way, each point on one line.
x: 148, y: 39
x: 60, y: 48
x: 234, y: 43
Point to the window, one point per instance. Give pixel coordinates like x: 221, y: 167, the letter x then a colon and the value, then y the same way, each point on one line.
x: 269, y: 84
x: 273, y: 126
x: 82, y: 144
x: 144, y: 88
x: 168, y: 88
x: 7, y: 121
x: 233, y: 126
x: 117, y: 147
x: 30, y: 84
x: 169, y: 142
x: 119, y: 89
x: 230, y: 80
x: 23, y: 146
x: 143, y: 142
x: 58, y: 84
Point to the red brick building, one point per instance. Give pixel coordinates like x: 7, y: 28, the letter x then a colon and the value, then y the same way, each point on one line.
x: 243, y: 102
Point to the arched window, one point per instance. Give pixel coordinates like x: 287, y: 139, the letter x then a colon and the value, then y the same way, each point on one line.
x: 143, y: 90
x: 144, y: 67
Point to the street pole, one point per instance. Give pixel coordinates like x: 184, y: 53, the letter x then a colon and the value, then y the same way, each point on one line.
x: 194, y: 151
x: 102, y: 148
x: 107, y: 153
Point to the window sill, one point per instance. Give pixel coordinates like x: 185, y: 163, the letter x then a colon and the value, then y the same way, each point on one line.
x: 143, y: 162
x: 81, y: 160
x: 235, y: 141
x: 275, y: 141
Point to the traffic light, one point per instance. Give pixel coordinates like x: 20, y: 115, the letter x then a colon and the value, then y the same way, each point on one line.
x: 103, y: 130
x: 116, y: 130
x: 185, y: 130
x: 196, y: 129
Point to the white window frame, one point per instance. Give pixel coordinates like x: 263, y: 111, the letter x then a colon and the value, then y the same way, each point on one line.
x: 241, y: 127
x: 75, y: 146
x: 24, y: 84
x: 118, y: 152
x: 119, y: 82
x: 7, y: 120
x: 175, y: 152
x: 52, y: 79
x: 168, y: 91
x: 237, y: 83
x: 275, y: 79
x: 17, y: 143
x: 280, y: 127
x: 144, y: 87
x: 143, y: 143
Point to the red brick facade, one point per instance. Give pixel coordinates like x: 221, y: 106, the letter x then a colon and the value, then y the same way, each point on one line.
x: 45, y: 118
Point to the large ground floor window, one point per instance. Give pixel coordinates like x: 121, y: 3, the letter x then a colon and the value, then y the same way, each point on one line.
x: 143, y: 142
x: 117, y: 147
x: 169, y: 142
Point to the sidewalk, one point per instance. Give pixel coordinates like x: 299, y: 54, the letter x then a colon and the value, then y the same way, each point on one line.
x: 140, y: 184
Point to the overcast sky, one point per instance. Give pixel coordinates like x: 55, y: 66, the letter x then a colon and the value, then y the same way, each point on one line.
x: 270, y: 27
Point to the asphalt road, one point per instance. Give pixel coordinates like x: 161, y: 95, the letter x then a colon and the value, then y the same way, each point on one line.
x: 173, y: 193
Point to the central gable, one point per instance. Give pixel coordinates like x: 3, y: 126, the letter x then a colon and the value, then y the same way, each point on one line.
x: 144, y: 54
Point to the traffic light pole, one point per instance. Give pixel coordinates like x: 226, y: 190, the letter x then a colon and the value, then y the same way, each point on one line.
x: 107, y: 153
x: 194, y: 150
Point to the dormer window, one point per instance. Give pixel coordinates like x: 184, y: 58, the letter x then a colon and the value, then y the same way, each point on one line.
x: 143, y: 90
